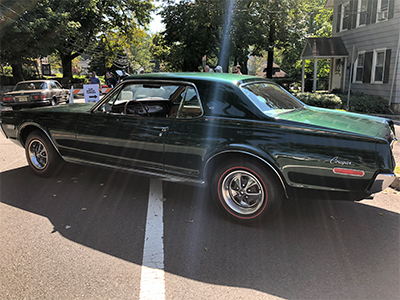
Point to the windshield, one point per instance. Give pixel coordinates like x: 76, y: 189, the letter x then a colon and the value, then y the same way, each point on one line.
x: 271, y: 99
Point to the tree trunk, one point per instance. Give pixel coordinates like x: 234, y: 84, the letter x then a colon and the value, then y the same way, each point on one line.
x: 270, y: 59
x: 67, y: 68
x: 66, y: 60
x: 17, y: 72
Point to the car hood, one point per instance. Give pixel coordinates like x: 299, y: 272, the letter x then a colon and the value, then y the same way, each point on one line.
x: 72, y: 107
x: 341, y: 120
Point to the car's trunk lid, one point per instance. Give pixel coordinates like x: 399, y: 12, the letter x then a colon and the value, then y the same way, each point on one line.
x: 341, y: 120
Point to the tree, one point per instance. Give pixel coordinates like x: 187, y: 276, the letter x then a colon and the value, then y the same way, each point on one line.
x: 191, y: 32
x: 36, y: 28
x: 308, y: 18
x: 26, y: 32
x: 91, y: 21
x: 232, y: 30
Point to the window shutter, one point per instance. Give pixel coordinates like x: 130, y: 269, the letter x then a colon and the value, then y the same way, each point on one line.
x: 368, y: 66
x: 339, y: 17
x: 353, y: 14
x: 369, y: 12
x: 391, y: 9
x: 387, y: 66
x: 374, y: 10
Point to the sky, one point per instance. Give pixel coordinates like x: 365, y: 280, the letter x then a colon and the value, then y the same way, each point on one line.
x: 156, y: 25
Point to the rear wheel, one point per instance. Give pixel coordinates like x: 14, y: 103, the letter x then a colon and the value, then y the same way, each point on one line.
x: 246, y: 193
x: 41, y: 155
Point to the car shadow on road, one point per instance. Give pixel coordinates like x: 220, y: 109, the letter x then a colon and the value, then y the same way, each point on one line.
x: 311, y: 249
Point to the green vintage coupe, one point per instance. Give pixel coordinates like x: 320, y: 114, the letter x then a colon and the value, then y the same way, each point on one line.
x: 251, y: 142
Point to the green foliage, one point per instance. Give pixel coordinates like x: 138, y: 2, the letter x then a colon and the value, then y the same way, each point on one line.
x: 320, y: 100
x: 359, y: 102
x: 219, y: 29
x: 6, y: 70
x: 32, y: 29
x: 367, y: 104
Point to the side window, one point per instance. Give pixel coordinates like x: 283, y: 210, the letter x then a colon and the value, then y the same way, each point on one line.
x: 53, y: 86
x: 126, y: 94
x: 190, y: 106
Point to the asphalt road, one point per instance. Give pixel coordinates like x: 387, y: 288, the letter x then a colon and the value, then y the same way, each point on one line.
x: 81, y: 235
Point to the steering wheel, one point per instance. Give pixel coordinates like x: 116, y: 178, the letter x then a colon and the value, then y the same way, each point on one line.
x: 146, y: 109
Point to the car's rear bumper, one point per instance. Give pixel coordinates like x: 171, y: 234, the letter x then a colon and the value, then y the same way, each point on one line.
x: 382, y: 181
x: 26, y: 104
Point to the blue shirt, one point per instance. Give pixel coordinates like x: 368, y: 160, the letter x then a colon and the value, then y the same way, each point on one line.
x: 95, y: 80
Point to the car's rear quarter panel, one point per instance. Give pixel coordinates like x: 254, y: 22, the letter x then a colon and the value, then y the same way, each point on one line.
x: 306, y: 157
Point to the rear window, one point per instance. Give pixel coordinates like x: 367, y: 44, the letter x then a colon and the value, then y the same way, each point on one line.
x: 271, y: 99
x: 23, y: 86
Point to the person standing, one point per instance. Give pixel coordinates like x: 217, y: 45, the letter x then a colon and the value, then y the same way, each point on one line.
x: 94, y: 79
x: 237, y: 70
x: 218, y: 69
x: 124, y: 74
x: 111, y: 81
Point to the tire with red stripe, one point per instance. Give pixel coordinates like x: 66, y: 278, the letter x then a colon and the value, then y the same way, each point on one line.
x: 245, y: 192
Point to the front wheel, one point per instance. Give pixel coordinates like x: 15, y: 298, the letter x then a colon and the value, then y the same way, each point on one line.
x: 41, y: 155
x: 246, y: 193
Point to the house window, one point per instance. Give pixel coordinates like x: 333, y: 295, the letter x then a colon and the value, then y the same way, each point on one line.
x: 383, y: 10
x: 345, y: 16
x: 359, y: 66
x: 378, y: 66
x: 362, y: 15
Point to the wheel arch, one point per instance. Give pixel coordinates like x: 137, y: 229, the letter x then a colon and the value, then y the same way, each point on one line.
x: 224, y: 156
x: 29, y: 127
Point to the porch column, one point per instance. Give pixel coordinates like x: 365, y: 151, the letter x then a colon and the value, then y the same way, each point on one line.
x: 315, y: 75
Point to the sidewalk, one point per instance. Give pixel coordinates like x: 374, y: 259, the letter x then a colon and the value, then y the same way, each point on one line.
x: 396, y: 154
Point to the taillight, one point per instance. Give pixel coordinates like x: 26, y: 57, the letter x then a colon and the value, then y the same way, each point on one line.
x: 38, y: 97
x: 351, y: 172
x: 8, y: 98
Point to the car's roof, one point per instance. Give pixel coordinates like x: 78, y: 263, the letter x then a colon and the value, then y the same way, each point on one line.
x: 36, y: 80
x: 219, y: 77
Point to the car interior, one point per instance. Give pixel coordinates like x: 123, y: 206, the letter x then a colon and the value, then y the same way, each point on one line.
x: 154, y: 100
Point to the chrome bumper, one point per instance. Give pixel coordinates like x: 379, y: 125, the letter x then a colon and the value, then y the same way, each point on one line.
x: 382, y: 181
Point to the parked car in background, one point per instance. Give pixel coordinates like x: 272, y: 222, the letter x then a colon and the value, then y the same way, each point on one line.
x: 35, y: 93
x: 246, y: 138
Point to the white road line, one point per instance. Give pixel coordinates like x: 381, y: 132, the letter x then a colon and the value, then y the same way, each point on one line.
x: 152, y: 283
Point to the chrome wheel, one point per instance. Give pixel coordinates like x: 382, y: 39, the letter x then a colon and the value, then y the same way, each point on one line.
x: 38, y: 154
x: 242, y: 192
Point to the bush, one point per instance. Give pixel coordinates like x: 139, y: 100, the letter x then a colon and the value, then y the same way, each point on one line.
x: 359, y: 102
x: 366, y: 104
x: 320, y: 100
